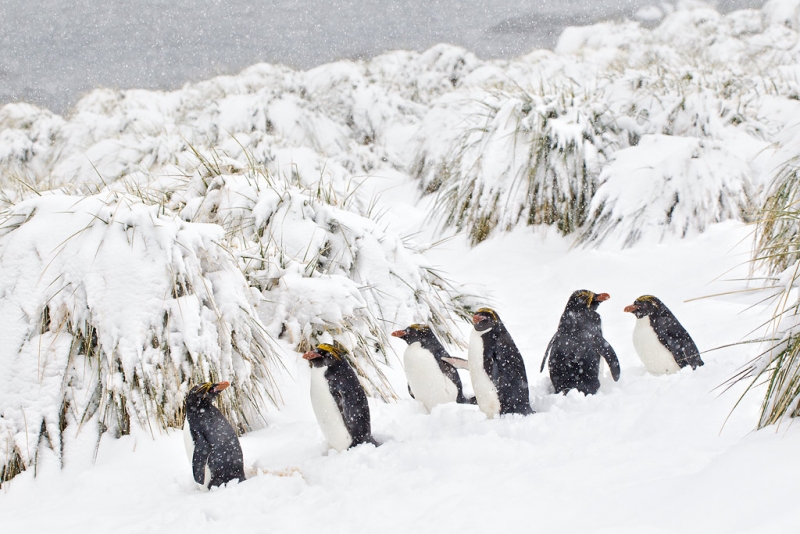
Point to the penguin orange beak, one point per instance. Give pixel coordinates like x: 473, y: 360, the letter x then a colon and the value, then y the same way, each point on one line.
x: 399, y: 333
x: 632, y: 308
x: 220, y: 386
x: 310, y: 355
x: 602, y: 297
x: 476, y: 318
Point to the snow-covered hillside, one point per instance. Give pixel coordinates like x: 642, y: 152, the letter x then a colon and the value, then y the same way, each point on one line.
x: 153, y: 240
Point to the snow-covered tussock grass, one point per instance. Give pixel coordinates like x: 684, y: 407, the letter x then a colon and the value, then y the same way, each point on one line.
x: 324, y: 267
x: 668, y: 184
x: 511, y: 157
x: 776, y: 268
x: 356, y: 115
x: 111, y: 309
x: 529, y: 147
x: 500, y: 143
x: 234, y: 209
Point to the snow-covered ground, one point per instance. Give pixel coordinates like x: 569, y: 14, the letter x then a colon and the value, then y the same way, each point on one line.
x: 646, y: 454
x: 151, y: 240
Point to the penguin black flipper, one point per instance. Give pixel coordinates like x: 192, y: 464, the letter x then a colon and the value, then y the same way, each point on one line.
x: 608, y: 354
x: 547, y: 352
x: 674, y: 336
x: 202, y: 450
x: 449, y: 371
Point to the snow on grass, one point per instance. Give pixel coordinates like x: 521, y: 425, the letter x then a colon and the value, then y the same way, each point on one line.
x: 500, y: 143
x: 661, y: 184
x: 323, y: 269
x: 647, y: 454
x: 245, y: 205
x: 111, y: 310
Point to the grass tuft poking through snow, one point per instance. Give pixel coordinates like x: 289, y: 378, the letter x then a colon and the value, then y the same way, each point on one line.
x: 777, y: 269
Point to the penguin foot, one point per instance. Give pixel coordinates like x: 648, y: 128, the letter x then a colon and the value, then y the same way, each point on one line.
x: 469, y: 400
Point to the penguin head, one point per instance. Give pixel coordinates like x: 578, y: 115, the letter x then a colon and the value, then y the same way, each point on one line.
x: 204, y: 394
x: 485, y: 319
x: 414, y: 333
x: 583, y: 299
x: 644, y: 306
x: 326, y: 354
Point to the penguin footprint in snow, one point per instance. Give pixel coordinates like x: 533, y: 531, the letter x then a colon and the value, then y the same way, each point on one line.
x: 662, y: 343
x: 339, y: 401
x: 211, y: 442
x: 578, y: 344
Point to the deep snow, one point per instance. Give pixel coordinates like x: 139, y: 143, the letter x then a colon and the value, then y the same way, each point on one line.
x: 646, y: 454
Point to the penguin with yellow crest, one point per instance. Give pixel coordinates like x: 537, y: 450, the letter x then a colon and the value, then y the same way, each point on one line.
x: 578, y: 345
x: 661, y: 342
x: 211, y: 442
x: 432, y: 378
x: 339, y: 401
x: 496, y: 367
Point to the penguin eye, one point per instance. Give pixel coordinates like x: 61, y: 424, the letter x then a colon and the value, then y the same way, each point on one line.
x: 487, y: 312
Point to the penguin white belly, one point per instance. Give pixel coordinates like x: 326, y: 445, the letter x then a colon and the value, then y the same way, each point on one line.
x: 485, y: 391
x: 327, y: 411
x: 429, y: 385
x: 188, y: 442
x: 657, y: 359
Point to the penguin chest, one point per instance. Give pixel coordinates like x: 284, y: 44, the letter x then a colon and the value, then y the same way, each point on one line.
x: 188, y: 443
x: 485, y: 390
x: 429, y: 385
x: 327, y: 411
x: 657, y: 359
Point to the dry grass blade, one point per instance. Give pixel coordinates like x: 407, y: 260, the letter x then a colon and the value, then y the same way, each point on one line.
x: 777, y: 253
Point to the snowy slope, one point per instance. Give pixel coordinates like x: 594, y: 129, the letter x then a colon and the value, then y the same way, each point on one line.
x: 647, y: 454
x: 300, y: 206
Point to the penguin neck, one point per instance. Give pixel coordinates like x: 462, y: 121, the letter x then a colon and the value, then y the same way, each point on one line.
x: 484, y: 332
x: 577, y: 319
x: 434, y: 348
x: 197, y: 407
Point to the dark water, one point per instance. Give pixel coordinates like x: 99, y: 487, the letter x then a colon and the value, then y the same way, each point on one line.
x: 52, y: 52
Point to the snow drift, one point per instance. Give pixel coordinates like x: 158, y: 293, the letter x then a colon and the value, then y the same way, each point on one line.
x: 245, y: 202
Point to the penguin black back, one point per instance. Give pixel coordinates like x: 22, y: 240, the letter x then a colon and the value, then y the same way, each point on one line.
x: 670, y: 332
x: 345, y: 389
x: 428, y: 340
x: 578, y: 344
x: 215, y: 442
x: 502, y: 363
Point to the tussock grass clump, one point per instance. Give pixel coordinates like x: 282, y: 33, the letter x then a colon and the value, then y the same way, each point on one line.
x: 777, y: 255
x: 325, y: 269
x: 516, y: 157
x: 113, y: 309
x: 685, y: 185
